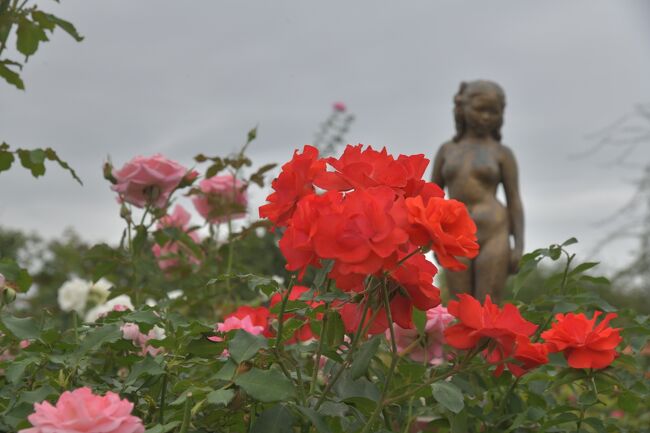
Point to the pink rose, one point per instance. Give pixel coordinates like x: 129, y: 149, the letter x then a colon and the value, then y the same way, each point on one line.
x: 179, y: 218
x: 167, y: 255
x: 221, y: 198
x: 131, y: 331
x: 430, y: 347
x: 81, y: 411
x: 151, y: 180
x: 339, y: 106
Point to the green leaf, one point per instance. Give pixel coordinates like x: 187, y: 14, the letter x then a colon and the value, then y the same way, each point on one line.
x: 33, y: 160
x: 16, y: 370
x: 6, y: 157
x: 582, y: 267
x: 98, y: 336
x: 221, y: 397
x: 22, y: 328
x: 315, y: 418
x: 420, y: 320
x: 10, y: 76
x: 448, y: 395
x: 347, y: 388
x: 146, y: 316
x: 67, y: 27
x: 140, y: 238
x: 265, y: 385
x: 205, y: 348
x: 335, y: 330
x: 51, y: 155
x: 20, y: 278
x: 363, y: 358
x: 147, y: 366
x: 596, y: 424
x: 28, y: 36
x: 37, y: 395
x: 160, y: 428
x: 569, y: 241
x: 277, y: 419
x: 243, y: 346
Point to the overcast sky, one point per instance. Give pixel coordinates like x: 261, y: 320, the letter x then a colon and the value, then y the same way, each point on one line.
x: 187, y: 77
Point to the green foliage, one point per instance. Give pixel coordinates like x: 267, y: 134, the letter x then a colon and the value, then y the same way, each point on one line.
x: 32, y: 26
x: 33, y: 160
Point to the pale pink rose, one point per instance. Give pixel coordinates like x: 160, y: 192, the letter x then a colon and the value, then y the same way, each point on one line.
x: 148, y: 180
x: 339, y: 106
x: 221, y: 198
x: 81, y: 411
x: 24, y: 344
x: 179, y: 218
x: 430, y: 348
x: 131, y: 331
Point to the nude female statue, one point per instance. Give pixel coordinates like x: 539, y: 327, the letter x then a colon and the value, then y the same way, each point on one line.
x: 471, y: 166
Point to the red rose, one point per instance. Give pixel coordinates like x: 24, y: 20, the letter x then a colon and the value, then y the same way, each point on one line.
x: 501, y: 326
x: 297, y: 242
x: 259, y: 316
x: 304, y: 332
x: 584, y: 345
x: 530, y: 355
x: 357, y: 168
x: 294, y: 182
x: 416, y: 276
x: 364, y: 234
x: 445, y: 224
x: 401, y: 310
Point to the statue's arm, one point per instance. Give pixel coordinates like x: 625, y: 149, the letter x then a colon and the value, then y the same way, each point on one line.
x: 510, y: 179
x: 438, y: 162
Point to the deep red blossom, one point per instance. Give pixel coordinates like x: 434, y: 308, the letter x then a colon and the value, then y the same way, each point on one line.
x: 376, y: 321
x: 297, y: 242
x: 359, y: 168
x: 364, y: 234
x: 295, y: 181
x: 304, y: 332
x: 585, y: 344
x: 416, y: 275
x: 529, y: 356
x: 445, y: 224
x: 498, y: 327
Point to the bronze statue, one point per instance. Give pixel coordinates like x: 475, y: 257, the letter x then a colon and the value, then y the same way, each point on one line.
x: 471, y: 166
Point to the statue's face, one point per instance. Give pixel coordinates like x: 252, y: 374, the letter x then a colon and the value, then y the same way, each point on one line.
x: 483, y: 113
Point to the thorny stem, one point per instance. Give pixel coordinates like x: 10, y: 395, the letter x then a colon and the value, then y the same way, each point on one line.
x: 565, y: 275
x: 393, y: 363
x: 348, y: 358
x: 319, y: 351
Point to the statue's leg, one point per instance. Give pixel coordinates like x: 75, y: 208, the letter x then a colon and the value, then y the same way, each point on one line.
x: 460, y: 281
x: 491, y: 267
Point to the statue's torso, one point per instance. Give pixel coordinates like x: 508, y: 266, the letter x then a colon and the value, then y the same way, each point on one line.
x: 472, y: 174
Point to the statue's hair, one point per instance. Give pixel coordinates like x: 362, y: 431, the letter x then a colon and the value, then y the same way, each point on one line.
x: 466, y: 91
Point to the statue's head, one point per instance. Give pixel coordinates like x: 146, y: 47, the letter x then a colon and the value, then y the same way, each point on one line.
x: 479, y: 106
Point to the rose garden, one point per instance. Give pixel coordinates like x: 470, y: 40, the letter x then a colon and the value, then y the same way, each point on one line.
x: 169, y: 331
x: 331, y: 309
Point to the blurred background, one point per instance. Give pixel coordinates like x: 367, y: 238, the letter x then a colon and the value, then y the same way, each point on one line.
x: 182, y: 78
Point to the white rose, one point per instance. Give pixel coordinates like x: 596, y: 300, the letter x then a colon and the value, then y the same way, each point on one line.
x: 95, y: 313
x: 2, y: 281
x: 100, y: 290
x: 73, y: 295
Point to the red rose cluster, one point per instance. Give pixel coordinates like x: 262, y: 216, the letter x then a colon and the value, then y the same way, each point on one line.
x: 369, y: 214
x: 506, y: 336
